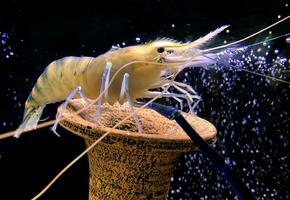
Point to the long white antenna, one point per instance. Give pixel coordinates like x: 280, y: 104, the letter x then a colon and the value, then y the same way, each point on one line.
x: 248, y: 37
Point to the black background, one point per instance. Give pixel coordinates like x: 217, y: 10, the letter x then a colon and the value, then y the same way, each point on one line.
x: 40, y: 32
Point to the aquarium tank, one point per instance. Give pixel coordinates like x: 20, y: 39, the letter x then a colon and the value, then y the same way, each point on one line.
x: 245, y: 96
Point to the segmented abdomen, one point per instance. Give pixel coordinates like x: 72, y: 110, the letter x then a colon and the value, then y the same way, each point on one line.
x: 58, y: 80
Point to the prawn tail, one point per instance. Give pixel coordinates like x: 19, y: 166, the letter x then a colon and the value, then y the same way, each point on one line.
x: 30, y: 120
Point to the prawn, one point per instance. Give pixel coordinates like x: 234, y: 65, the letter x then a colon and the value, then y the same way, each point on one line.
x: 121, y: 75
x: 151, y: 66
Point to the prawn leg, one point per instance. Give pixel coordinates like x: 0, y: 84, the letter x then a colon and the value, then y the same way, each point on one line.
x: 104, y: 87
x: 185, y: 86
x: 125, y: 91
x: 78, y: 90
x: 176, y: 98
x: 185, y: 89
x: 179, y: 101
x: 188, y: 97
x: 153, y: 94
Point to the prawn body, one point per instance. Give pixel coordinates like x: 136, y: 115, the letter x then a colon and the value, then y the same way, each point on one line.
x: 62, y: 76
x: 149, y: 66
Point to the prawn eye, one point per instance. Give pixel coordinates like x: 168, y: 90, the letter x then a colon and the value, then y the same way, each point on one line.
x: 160, y: 49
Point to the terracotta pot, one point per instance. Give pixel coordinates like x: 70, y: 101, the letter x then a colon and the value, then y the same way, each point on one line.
x: 127, y: 164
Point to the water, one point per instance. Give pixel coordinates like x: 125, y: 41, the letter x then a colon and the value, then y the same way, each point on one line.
x: 251, y: 112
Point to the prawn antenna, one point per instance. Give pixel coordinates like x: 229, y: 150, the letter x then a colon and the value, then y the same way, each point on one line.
x: 268, y: 40
x: 12, y: 133
x: 248, y: 37
x: 266, y: 76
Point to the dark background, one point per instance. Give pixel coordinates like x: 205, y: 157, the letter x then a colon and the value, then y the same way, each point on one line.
x: 251, y: 113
